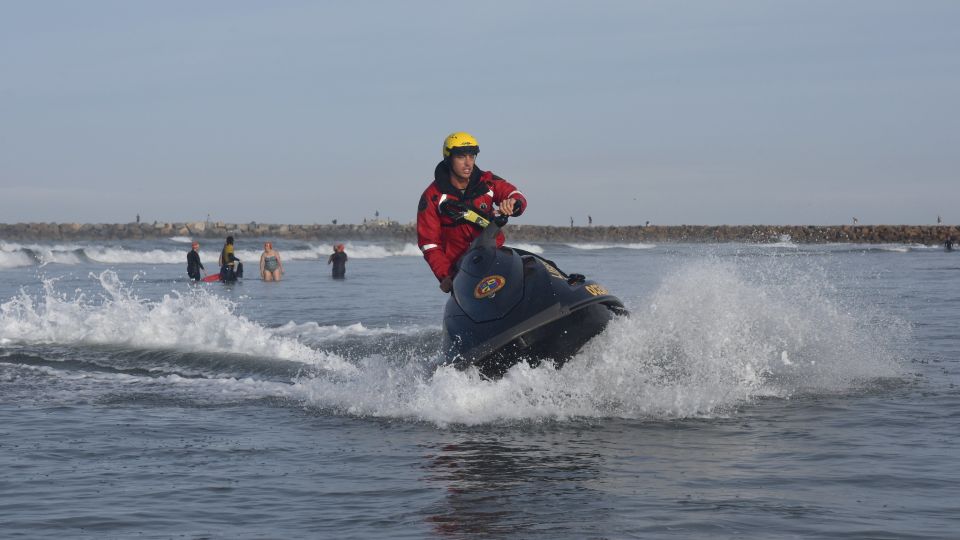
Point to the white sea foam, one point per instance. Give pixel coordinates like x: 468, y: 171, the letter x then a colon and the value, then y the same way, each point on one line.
x: 906, y: 248
x: 15, y: 255
x: 895, y: 248
x: 44, y: 254
x: 199, y: 321
x: 783, y: 241
x: 713, y: 337
x: 15, y: 259
x: 315, y: 332
x: 119, y: 255
x: 18, y: 255
x: 181, y: 239
x: 708, y: 341
x: 591, y: 246
x: 315, y: 252
x: 375, y: 251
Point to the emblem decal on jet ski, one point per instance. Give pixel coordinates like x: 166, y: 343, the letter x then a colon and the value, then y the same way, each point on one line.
x: 489, y: 286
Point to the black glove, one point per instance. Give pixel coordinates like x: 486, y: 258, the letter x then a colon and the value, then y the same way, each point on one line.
x: 446, y: 284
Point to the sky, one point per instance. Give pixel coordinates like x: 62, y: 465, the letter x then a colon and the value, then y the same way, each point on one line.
x: 673, y: 112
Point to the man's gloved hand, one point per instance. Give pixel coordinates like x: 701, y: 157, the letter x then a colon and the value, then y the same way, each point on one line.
x: 446, y: 284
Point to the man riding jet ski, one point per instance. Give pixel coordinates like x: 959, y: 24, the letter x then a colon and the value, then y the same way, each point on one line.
x: 507, y: 304
x: 510, y: 305
x: 442, y: 238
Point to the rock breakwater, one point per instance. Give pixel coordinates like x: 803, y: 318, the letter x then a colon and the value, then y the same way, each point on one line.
x: 801, y: 234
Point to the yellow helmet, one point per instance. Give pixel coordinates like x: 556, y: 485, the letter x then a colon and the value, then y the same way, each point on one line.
x: 460, y: 142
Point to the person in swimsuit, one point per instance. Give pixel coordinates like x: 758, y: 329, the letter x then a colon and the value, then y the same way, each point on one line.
x: 271, y: 267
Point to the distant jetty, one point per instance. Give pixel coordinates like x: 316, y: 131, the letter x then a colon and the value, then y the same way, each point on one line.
x: 382, y: 230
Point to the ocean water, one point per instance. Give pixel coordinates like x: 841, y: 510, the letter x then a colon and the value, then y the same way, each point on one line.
x: 780, y: 391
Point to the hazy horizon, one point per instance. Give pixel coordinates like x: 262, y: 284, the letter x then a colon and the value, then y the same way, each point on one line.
x: 806, y: 113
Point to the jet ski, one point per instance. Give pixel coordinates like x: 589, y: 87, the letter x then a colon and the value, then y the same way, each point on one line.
x: 509, y: 305
x: 230, y: 273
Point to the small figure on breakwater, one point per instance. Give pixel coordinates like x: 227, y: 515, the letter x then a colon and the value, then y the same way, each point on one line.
x: 339, y: 261
x: 855, y: 220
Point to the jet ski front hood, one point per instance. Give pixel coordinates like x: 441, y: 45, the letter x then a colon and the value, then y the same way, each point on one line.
x: 484, y: 273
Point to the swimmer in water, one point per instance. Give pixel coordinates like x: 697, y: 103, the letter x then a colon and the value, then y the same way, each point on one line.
x: 194, y: 266
x: 271, y: 267
x: 339, y: 261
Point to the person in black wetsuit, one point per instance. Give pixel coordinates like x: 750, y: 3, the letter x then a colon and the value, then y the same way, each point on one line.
x: 948, y: 244
x: 194, y: 266
x: 339, y: 261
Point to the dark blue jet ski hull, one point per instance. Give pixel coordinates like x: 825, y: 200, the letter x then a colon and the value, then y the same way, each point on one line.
x: 509, y: 306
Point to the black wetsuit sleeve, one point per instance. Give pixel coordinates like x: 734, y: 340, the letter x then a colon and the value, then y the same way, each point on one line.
x: 193, y: 264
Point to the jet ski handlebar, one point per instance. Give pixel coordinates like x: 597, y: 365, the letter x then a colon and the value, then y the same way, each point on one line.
x: 459, y: 210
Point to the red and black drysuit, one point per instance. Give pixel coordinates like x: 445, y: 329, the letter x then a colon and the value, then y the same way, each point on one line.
x: 444, y: 239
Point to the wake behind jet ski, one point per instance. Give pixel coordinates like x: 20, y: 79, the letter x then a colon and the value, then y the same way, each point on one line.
x: 509, y: 305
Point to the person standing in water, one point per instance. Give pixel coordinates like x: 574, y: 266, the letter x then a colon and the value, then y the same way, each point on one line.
x: 230, y: 266
x: 444, y: 237
x: 271, y: 267
x: 339, y: 261
x: 194, y: 266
